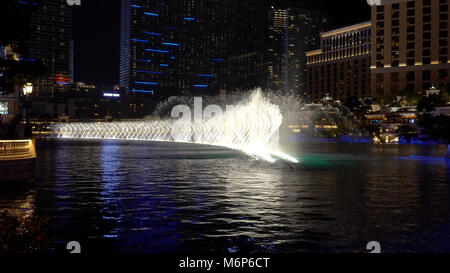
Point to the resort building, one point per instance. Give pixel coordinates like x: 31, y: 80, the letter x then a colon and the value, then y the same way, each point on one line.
x: 410, y: 45
x: 341, y: 67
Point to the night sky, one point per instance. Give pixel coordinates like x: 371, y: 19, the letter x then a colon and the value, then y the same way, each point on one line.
x: 96, y: 34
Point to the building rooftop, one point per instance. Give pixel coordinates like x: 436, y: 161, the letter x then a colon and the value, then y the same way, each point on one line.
x: 346, y: 29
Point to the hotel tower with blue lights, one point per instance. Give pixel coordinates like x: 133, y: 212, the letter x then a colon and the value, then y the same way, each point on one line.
x: 188, y: 47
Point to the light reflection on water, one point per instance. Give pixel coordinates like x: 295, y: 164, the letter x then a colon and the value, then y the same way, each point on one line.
x: 160, y: 197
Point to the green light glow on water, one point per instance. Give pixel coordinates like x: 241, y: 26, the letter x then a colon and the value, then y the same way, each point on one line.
x: 314, y: 161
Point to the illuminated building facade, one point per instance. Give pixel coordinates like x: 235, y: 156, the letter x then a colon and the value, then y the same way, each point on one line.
x: 52, y: 43
x: 410, y: 45
x: 186, y: 47
x: 247, y: 64
x: 341, y: 67
x: 292, y: 32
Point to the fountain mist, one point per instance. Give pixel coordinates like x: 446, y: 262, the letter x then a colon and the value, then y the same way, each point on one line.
x: 252, y: 126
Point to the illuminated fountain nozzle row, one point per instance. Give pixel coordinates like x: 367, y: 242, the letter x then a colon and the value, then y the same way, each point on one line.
x: 251, y: 128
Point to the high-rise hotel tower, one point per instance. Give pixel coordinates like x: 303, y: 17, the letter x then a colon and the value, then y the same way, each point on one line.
x: 51, y: 42
x: 410, y: 45
x: 292, y: 31
x: 177, y: 47
x: 341, y: 67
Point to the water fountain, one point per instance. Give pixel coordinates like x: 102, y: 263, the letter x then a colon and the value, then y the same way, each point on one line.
x: 250, y: 126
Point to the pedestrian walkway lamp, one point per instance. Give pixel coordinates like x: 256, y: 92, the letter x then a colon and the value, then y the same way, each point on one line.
x: 27, y: 90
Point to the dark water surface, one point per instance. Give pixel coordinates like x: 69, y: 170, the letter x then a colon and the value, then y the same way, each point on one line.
x: 161, y: 197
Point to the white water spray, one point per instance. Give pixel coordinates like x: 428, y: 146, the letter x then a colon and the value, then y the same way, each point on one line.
x: 251, y: 127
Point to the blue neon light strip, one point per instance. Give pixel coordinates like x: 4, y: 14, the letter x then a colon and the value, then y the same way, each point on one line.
x: 170, y: 44
x: 164, y: 65
x: 201, y: 85
x: 144, y: 60
x: 157, y: 50
x: 189, y: 18
x: 148, y: 72
x: 217, y: 60
x: 173, y: 58
x: 147, y: 83
x: 138, y: 40
x: 151, y: 14
x: 26, y: 3
x: 142, y: 91
x: 206, y: 75
x: 153, y: 33
x: 63, y: 83
x: 136, y: 6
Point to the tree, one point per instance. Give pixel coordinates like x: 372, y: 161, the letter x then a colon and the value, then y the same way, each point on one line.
x: 407, y: 132
x: 352, y: 103
x: 437, y: 128
x: 428, y: 104
x: 14, y: 73
x: 445, y: 92
x: 373, y: 130
x: 358, y: 108
x: 28, y: 235
x: 411, y: 96
x: 386, y: 100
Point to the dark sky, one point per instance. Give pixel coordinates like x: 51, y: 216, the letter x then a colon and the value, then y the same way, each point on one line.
x: 96, y: 33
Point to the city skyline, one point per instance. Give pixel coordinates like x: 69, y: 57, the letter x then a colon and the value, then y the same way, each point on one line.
x: 234, y: 128
x: 97, y: 39
x: 184, y: 48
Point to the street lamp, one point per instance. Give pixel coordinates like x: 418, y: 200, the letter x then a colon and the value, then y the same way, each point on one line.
x: 27, y: 90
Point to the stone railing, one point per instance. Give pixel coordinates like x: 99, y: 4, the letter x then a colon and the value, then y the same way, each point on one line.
x: 17, y: 149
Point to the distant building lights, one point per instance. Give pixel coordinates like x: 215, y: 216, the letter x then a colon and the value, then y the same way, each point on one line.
x: 138, y: 40
x: 147, y: 83
x: 27, y: 59
x: 148, y: 72
x: 201, y: 85
x: 111, y: 95
x: 142, y: 91
x: 151, y: 14
x: 153, y: 33
x: 157, y: 50
x: 170, y: 44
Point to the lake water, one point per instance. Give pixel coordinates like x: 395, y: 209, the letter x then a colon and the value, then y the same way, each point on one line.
x: 143, y: 197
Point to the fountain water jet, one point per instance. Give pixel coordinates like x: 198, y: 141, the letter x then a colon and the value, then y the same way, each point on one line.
x: 251, y: 127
